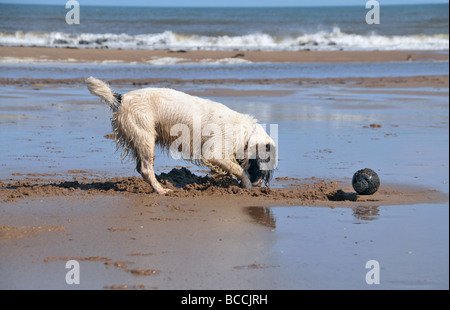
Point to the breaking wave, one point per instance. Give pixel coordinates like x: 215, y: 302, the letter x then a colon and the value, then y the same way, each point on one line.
x: 331, y: 40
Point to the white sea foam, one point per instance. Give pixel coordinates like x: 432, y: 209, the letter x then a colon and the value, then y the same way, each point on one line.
x: 163, y: 61
x: 228, y: 61
x: 331, y: 40
x: 155, y: 61
x: 20, y: 60
x: 33, y: 60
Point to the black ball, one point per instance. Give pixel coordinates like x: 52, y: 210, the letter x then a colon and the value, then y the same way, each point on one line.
x: 365, y: 181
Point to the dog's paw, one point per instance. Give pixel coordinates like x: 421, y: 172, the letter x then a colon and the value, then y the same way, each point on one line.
x: 164, y: 191
x: 247, y: 184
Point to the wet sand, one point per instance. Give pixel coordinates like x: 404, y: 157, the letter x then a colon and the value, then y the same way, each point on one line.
x: 142, y: 56
x: 65, y: 194
x: 125, y: 239
x: 385, y: 82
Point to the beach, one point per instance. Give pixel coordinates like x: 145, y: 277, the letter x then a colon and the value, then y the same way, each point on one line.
x: 336, y: 97
x: 186, y: 56
x: 62, y: 182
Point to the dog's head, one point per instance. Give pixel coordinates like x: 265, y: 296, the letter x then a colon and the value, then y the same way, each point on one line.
x: 262, y: 157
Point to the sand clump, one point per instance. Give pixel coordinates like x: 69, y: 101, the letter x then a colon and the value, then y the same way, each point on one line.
x: 14, y: 232
x: 182, y: 181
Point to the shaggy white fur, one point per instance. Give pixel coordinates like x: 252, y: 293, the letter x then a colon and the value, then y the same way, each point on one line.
x: 203, y: 131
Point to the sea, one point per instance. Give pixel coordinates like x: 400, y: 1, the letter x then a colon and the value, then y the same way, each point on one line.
x: 401, y: 27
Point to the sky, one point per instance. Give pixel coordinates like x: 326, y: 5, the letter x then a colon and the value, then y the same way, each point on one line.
x: 223, y: 3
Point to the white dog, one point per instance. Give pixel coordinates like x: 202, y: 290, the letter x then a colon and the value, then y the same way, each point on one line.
x: 212, y: 135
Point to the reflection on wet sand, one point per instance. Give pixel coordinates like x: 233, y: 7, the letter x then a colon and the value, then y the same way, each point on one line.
x: 265, y: 216
x: 261, y: 215
x: 366, y: 213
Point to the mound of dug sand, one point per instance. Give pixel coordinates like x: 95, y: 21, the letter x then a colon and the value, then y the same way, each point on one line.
x: 187, y: 185
x: 182, y: 181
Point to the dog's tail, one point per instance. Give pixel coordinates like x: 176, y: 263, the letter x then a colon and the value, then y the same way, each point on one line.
x: 101, y: 89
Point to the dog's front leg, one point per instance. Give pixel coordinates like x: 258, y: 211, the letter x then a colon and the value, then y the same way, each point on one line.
x: 147, y: 172
x: 234, y: 169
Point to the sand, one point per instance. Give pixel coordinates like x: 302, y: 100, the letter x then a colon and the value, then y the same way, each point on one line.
x: 385, y: 82
x: 189, y: 187
x: 222, y: 237
x: 141, y: 56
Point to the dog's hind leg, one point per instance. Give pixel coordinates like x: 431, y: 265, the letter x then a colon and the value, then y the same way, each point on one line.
x: 148, y: 173
x: 145, y: 167
x: 138, y: 165
x: 234, y: 169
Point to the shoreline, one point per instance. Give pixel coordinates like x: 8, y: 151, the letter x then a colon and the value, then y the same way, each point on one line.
x: 187, y: 56
x: 438, y: 81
